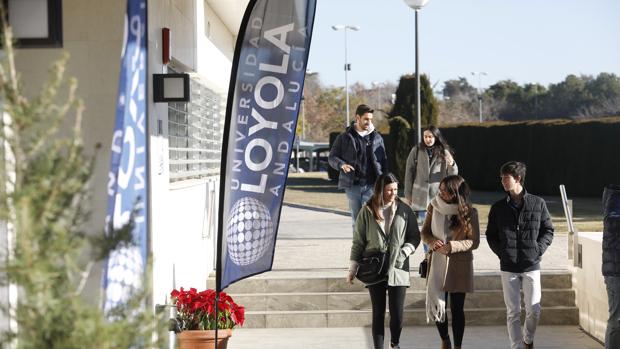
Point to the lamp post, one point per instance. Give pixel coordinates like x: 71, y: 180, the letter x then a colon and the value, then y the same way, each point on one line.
x: 309, y: 73
x: 479, y: 73
x: 536, y: 99
x: 378, y: 86
x: 347, y: 66
x: 303, y: 117
x: 417, y: 6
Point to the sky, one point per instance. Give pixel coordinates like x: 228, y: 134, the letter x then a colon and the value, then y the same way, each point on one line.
x: 527, y: 41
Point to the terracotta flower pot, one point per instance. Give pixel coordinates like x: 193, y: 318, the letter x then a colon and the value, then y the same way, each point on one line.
x: 203, y: 339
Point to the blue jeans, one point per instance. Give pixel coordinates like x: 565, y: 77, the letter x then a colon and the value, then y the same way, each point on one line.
x: 421, y: 217
x: 612, y: 335
x: 357, y: 195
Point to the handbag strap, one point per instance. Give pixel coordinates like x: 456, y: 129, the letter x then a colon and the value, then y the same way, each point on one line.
x: 386, y: 239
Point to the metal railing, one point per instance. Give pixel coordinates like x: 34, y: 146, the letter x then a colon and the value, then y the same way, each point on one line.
x: 574, y: 249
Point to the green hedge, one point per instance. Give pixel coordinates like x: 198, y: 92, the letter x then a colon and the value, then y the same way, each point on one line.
x: 584, y: 155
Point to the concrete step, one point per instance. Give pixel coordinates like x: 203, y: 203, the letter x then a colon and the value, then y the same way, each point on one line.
x: 308, y: 301
x: 323, y: 299
x: 274, y: 282
x: 412, y: 317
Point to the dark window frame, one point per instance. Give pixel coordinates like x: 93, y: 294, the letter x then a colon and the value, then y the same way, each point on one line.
x: 54, y: 28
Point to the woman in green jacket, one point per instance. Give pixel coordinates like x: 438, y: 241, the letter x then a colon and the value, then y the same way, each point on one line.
x: 385, y: 223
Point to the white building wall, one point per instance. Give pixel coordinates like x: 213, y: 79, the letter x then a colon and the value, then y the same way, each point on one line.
x: 589, y: 285
x: 215, y: 51
x: 182, y: 232
x: 183, y: 222
x: 215, y: 31
x: 92, y: 36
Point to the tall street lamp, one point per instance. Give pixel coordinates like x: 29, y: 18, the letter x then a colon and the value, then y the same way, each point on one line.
x: 309, y: 73
x: 479, y: 73
x: 417, y: 6
x: 347, y: 66
x: 378, y: 86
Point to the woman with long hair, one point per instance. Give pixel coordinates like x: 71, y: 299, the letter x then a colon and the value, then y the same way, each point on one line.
x: 451, y: 230
x: 386, y: 224
x: 427, y: 164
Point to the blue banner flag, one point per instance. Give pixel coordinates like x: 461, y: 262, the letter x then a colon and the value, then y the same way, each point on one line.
x: 124, y: 270
x: 261, y: 117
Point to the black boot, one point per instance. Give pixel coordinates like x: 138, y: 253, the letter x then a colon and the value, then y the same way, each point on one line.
x: 446, y: 344
x: 377, y: 340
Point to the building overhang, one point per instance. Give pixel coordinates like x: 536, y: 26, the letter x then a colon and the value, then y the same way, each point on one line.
x: 230, y: 12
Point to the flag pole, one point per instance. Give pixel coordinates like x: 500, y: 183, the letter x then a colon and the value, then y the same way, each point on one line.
x: 224, y: 159
x: 217, y: 300
x: 223, y: 162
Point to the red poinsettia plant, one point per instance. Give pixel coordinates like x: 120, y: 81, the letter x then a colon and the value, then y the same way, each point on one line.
x: 196, y: 310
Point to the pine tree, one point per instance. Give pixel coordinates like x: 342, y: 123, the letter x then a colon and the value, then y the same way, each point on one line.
x: 399, y: 147
x: 45, y: 200
x: 404, y: 104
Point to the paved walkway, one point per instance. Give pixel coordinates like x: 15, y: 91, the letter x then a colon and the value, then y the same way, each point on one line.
x: 316, y: 243
x: 319, y: 240
x: 483, y: 337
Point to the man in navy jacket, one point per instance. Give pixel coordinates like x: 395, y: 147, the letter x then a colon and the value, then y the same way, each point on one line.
x: 359, y: 155
x: 611, y: 262
x: 519, y: 231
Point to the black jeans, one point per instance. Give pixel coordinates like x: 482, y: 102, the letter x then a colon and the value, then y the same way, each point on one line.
x: 396, y: 296
x: 457, y: 301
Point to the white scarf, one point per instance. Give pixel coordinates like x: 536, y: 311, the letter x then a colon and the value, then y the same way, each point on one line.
x: 365, y: 133
x: 435, y: 295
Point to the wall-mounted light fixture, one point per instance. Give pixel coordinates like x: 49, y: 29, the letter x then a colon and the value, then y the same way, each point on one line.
x: 35, y: 23
x: 170, y: 88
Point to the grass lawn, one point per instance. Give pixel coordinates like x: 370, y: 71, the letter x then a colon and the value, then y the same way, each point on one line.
x: 315, y: 189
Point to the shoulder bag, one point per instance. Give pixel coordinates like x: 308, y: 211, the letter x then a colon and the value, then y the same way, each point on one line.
x: 423, y: 268
x: 373, y: 266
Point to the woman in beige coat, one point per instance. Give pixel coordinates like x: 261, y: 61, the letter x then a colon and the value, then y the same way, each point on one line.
x: 452, y: 231
x: 427, y: 164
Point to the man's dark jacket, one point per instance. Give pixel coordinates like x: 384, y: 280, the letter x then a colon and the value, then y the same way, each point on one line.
x: 611, y: 231
x: 345, y: 150
x: 519, y: 237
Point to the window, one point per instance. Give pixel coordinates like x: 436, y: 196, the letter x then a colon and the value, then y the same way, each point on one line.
x: 35, y: 23
x: 195, y: 134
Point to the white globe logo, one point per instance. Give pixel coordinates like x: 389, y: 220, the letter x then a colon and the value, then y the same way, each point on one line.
x: 125, y: 272
x: 249, y: 231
